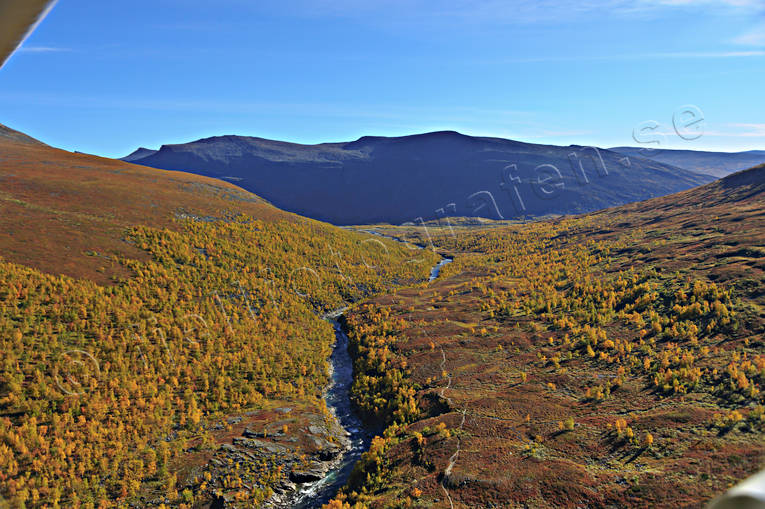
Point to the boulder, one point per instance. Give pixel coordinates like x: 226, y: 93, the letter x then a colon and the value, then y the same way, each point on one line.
x: 260, y: 445
x: 303, y: 475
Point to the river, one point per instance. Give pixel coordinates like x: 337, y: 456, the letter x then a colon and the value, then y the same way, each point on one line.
x: 338, y: 399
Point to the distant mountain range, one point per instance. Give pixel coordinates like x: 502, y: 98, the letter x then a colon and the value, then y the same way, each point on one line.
x: 718, y: 164
x: 402, y: 179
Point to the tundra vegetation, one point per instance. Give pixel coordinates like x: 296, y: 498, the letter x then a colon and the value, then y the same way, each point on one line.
x: 612, y: 359
x: 125, y: 352
x: 104, y: 387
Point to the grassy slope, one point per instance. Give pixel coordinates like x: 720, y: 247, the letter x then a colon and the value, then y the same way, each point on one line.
x: 55, y: 206
x: 141, y: 309
x: 536, y: 358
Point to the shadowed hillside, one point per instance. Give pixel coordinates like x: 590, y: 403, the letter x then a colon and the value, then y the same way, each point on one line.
x: 139, y: 154
x: 377, y: 179
x: 718, y: 164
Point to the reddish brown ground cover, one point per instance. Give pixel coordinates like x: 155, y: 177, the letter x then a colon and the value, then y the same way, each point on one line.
x: 66, y: 213
x: 591, y: 359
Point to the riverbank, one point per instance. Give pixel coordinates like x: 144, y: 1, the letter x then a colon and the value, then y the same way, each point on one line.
x: 358, y: 435
x: 305, y: 454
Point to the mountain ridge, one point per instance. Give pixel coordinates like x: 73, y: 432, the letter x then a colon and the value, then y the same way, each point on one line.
x: 718, y: 164
x: 425, y: 176
x: 139, y: 153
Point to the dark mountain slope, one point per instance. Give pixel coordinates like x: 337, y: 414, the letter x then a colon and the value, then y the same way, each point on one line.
x: 718, y: 164
x: 378, y: 179
x: 741, y: 190
x: 139, y: 154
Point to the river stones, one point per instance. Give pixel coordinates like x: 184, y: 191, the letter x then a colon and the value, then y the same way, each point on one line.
x: 228, y: 448
x: 329, y: 454
x: 249, y: 433
x: 260, y: 445
x: 312, y: 473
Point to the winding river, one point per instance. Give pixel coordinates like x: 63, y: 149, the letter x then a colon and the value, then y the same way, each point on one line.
x: 436, y: 270
x: 338, y: 399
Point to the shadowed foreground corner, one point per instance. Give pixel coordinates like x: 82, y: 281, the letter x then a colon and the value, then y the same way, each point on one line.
x: 749, y: 494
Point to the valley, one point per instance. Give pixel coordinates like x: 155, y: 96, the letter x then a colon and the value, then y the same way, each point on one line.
x: 576, y: 361
x: 718, y: 164
x: 176, y: 347
x: 411, y: 276
x: 136, y: 339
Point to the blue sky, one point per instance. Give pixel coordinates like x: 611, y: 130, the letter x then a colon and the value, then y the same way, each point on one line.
x: 107, y: 77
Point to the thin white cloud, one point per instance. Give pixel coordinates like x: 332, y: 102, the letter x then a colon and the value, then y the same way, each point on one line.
x: 511, y: 11
x: 742, y: 131
x: 724, y: 137
x: 641, y: 56
x: 753, y: 37
x: 372, y: 111
x: 706, y: 3
x: 730, y: 130
x: 704, y: 54
x: 42, y: 49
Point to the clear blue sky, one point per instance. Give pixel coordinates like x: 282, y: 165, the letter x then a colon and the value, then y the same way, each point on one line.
x: 106, y: 77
